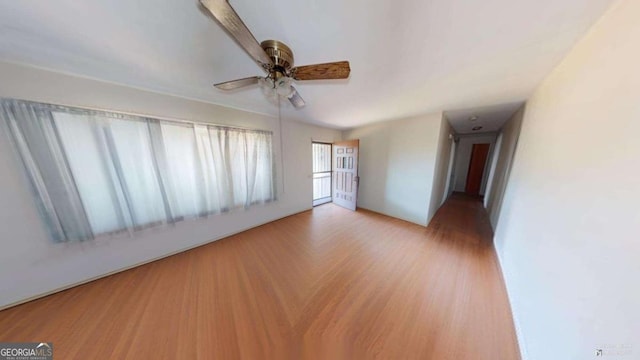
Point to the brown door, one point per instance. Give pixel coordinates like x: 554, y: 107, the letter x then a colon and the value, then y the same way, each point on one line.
x: 345, y: 173
x: 479, y: 155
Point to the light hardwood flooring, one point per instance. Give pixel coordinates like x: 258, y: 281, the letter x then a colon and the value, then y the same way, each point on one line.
x: 323, y: 284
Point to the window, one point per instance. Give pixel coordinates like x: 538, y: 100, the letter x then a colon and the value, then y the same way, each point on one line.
x: 97, y: 172
x: 321, y: 173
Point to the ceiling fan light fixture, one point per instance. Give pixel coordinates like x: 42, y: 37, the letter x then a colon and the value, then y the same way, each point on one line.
x: 267, y: 86
x: 280, y: 87
x: 266, y: 83
x: 285, y: 91
x: 283, y: 87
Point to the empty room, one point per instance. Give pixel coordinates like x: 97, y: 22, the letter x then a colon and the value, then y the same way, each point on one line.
x: 235, y: 179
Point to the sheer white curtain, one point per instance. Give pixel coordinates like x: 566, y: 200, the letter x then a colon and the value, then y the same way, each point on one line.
x: 113, y: 164
x: 97, y: 172
x: 244, y: 158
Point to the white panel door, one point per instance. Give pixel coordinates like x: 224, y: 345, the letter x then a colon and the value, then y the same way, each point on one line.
x: 345, y: 173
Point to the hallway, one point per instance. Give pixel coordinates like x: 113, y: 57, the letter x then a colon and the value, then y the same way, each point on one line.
x: 326, y: 283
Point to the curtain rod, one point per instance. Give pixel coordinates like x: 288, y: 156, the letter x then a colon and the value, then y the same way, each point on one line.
x: 126, y: 113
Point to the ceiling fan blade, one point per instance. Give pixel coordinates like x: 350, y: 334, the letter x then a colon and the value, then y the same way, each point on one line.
x: 296, y: 99
x: 236, y: 84
x: 231, y: 22
x: 334, y: 70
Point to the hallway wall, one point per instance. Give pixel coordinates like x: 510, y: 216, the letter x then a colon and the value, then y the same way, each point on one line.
x: 504, y: 158
x: 569, y: 229
x: 397, y: 164
x: 441, y: 167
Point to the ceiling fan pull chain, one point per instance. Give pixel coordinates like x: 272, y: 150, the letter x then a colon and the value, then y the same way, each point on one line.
x: 281, y: 144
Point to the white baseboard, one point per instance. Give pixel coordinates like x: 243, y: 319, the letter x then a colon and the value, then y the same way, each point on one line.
x: 521, y: 342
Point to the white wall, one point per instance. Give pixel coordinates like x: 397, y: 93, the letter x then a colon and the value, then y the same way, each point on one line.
x: 497, y: 147
x: 443, y: 159
x: 463, y: 154
x: 452, y: 164
x: 502, y: 161
x: 569, y: 229
x: 31, y: 265
x: 396, y: 169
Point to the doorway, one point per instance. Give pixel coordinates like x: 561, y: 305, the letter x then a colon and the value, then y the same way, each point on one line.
x: 322, y: 171
x: 477, y: 163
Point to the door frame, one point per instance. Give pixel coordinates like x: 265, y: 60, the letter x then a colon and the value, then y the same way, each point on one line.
x: 325, y: 200
x: 475, y: 151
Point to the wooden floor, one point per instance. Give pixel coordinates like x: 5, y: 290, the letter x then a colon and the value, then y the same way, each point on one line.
x: 323, y: 284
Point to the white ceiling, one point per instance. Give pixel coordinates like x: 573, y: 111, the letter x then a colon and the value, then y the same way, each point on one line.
x: 407, y: 56
x: 491, y: 118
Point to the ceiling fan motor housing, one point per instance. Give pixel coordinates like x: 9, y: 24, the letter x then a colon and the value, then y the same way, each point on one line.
x: 280, y: 54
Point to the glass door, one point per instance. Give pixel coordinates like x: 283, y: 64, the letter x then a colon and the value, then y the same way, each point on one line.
x: 321, y: 173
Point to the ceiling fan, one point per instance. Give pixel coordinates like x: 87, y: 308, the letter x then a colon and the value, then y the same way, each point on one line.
x: 275, y: 58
